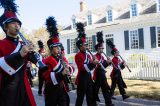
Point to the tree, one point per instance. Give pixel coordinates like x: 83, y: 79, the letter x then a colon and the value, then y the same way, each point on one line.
x: 39, y: 34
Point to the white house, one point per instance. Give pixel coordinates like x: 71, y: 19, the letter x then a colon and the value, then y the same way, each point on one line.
x: 133, y: 26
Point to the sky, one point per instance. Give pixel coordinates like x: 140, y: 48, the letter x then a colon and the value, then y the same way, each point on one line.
x: 33, y: 13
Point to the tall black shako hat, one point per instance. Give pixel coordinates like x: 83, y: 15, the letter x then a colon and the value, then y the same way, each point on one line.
x: 41, y: 46
x: 53, y: 32
x: 9, y: 15
x: 99, y: 40
x: 81, y: 35
x: 112, y: 46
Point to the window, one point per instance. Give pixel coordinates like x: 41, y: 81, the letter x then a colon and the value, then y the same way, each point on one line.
x: 90, y: 43
x: 133, y: 10
x: 89, y: 19
x: 109, y: 15
x: 134, y: 39
x: 74, y: 23
x: 158, y: 36
x: 109, y: 35
x: 73, y: 46
x: 158, y: 5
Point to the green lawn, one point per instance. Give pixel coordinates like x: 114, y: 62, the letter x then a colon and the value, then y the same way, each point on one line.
x: 142, y: 89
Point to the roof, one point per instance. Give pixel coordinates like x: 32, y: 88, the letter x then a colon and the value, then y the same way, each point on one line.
x: 123, y: 11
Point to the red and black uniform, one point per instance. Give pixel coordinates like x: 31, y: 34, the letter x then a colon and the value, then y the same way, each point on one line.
x: 84, y: 80
x: 55, y: 91
x: 40, y: 76
x: 117, y: 77
x: 14, y: 86
x: 101, y: 80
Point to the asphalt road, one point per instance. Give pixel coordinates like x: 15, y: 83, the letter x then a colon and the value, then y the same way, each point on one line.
x: 118, y: 102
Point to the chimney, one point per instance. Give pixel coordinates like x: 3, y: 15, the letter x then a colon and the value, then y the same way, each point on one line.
x: 83, y: 6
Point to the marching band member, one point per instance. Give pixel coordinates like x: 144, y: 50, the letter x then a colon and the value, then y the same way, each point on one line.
x: 55, y: 90
x: 85, y: 65
x: 15, y: 89
x: 116, y: 75
x: 100, y: 73
x: 40, y: 72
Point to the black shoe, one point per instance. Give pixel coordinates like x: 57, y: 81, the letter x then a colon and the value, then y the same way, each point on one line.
x: 110, y: 104
x: 113, y: 98
x: 125, y: 97
x: 39, y: 94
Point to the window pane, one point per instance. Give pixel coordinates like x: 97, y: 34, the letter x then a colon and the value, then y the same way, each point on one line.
x: 134, y: 39
x: 89, y: 41
x: 73, y: 46
x: 134, y: 9
x: 74, y: 23
x: 109, y: 13
x: 89, y: 19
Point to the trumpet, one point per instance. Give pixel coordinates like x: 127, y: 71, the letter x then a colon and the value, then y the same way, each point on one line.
x: 36, y: 56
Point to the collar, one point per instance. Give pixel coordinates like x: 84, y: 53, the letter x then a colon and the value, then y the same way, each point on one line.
x: 83, y: 52
x: 98, y: 54
x: 15, y: 40
x: 55, y: 56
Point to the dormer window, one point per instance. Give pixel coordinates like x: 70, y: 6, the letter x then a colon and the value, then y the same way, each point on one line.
x: 158, y: 5
x: 89, y: 19
x: 134, y: 10
x: 74, y: 23
x: 109, y: 16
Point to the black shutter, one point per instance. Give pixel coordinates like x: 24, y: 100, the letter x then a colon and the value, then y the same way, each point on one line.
x: 93, y: 42
x: 126, y: 39
x: 68, y: 46
x: 76, y: 39
x: 153, y: 37
x: 141, y: 38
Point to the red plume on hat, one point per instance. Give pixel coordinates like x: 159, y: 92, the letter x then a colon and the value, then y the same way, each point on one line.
x: 99, y: 40
x: 9, y: 15
x: 81, y: 34
x: 53, y: 32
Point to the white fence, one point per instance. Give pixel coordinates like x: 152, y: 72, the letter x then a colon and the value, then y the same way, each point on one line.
x: 143, y: 66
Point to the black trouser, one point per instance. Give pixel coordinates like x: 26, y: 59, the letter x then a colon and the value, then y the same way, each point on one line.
x: 40, y: 82
x: 119, y: 81
x: 89, y: 95
x: 55, y: 95
x: 14, y: 93
x: 101, y: 82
